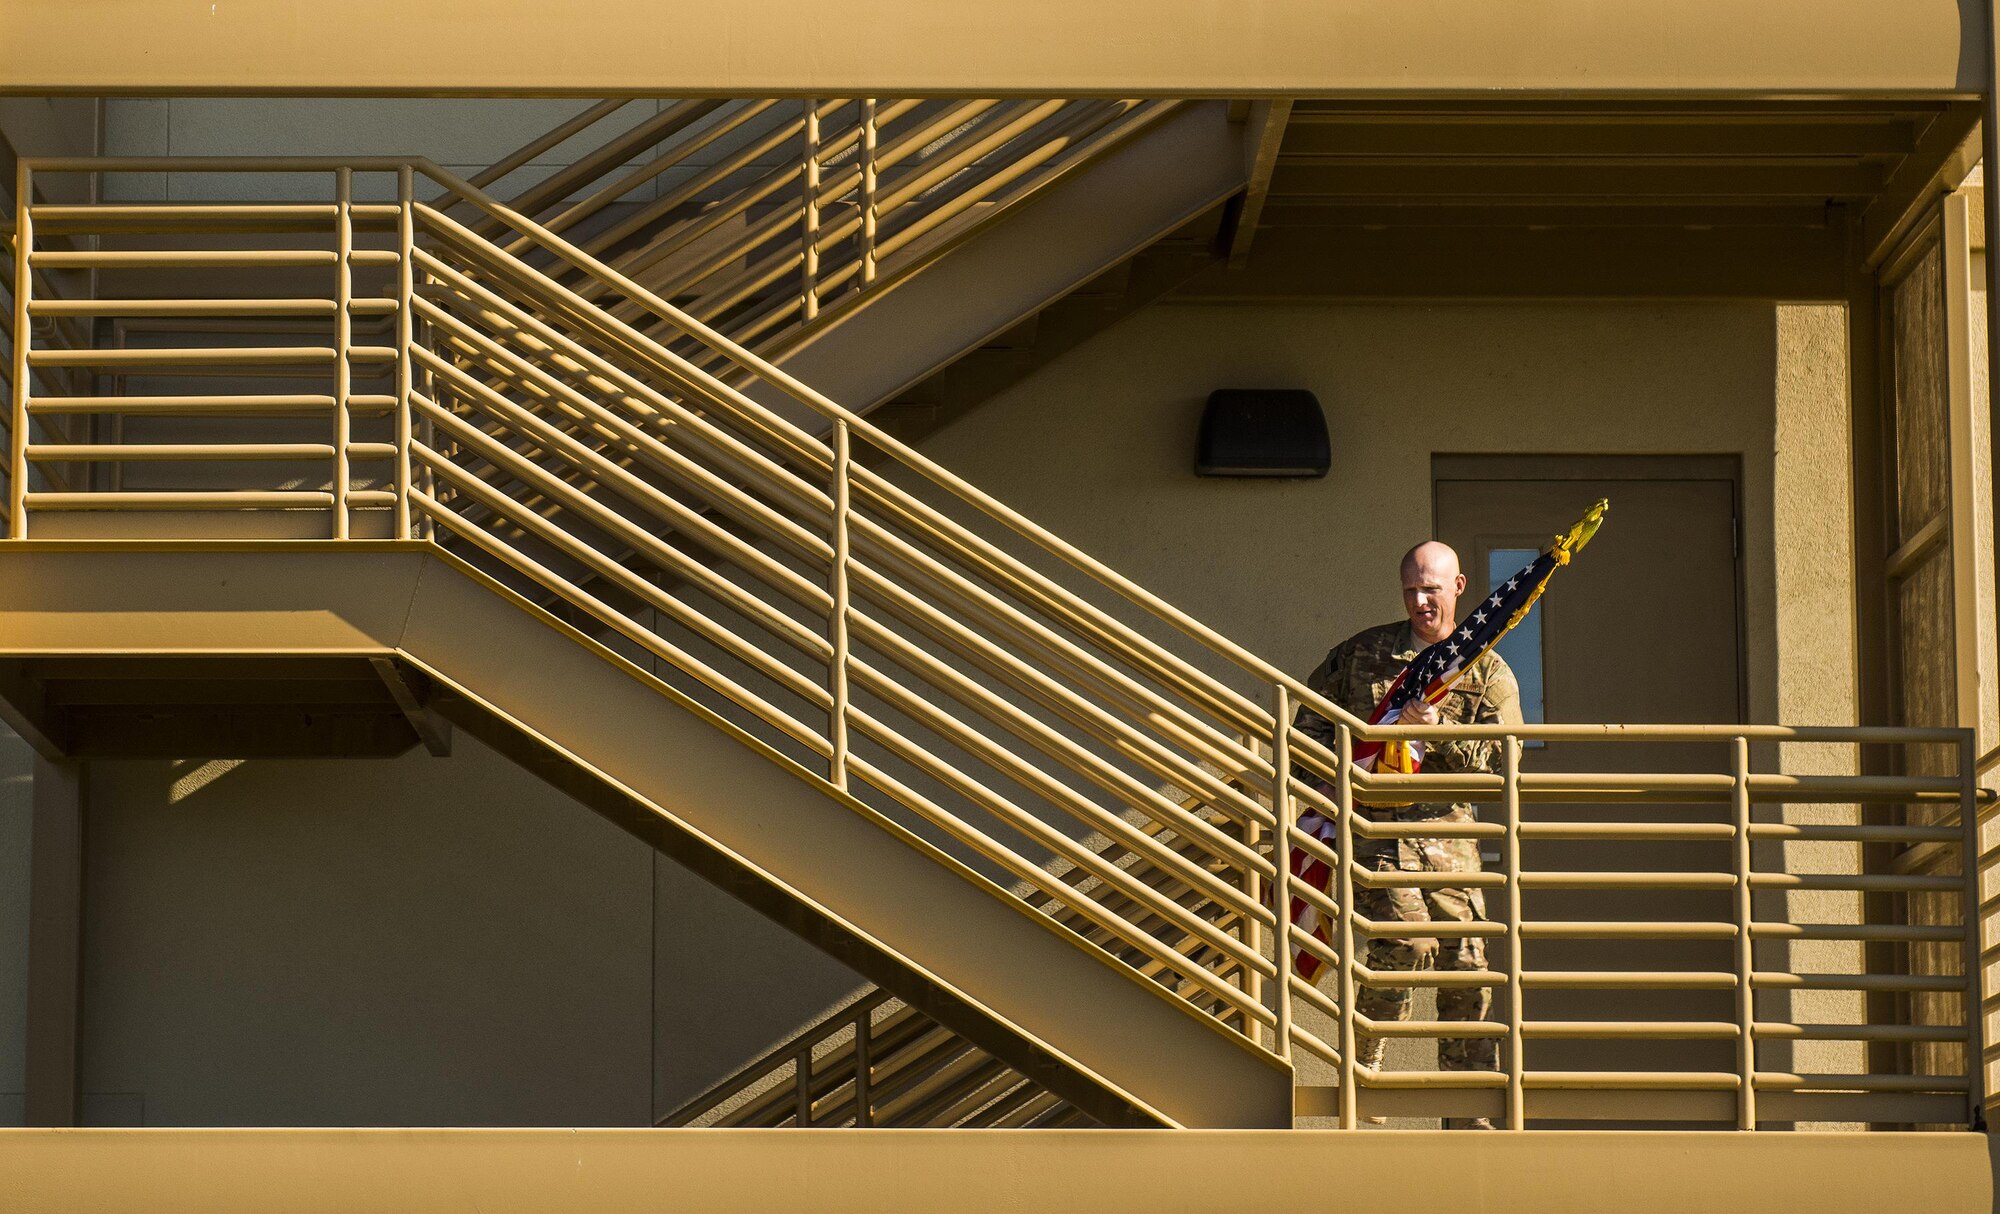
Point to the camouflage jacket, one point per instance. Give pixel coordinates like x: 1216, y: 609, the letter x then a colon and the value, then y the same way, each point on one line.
x: 1356, y: 673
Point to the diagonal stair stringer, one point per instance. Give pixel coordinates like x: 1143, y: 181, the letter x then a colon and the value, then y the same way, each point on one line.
x: 688, y: 782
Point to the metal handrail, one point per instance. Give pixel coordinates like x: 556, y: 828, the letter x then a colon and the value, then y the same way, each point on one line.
x: 576, y: 451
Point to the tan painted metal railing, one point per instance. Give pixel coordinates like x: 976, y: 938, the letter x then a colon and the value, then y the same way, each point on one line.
x: 965, y: 675
x: 877, y: 1062
x: 756, y: 217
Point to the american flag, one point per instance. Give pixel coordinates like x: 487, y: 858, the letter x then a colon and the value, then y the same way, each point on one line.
x: 1429, y: 676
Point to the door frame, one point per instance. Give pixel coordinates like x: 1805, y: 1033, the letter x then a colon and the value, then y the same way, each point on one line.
x: 1457, y: 467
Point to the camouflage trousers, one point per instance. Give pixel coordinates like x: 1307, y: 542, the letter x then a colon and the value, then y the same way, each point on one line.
x: 1454, y: 953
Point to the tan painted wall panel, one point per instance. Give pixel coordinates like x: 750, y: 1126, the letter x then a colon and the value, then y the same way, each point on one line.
x: 905, y: 48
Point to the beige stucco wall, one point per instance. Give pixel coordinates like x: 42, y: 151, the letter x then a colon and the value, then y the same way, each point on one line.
x: 1099, y: 446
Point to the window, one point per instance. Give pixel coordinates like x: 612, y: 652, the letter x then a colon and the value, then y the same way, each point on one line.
x: 1521, y: 648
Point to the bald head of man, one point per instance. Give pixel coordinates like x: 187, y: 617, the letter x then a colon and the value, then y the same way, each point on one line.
x: 1431, y: 586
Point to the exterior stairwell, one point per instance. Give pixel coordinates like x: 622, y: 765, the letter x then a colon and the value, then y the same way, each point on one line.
x: 535, y: 499
x: 843, y: 684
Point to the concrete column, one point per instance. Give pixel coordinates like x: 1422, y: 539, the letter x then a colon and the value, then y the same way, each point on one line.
x: 55, y: 943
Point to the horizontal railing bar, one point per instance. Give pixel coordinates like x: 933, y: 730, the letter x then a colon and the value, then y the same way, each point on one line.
x: 206, y: 259
x: 1770, y: 980
x: 1855, y: 834
x: 1627, y: 831
x: 1429, y: 1028
x: 195, y: 406
x: 223, y: 499
x: 1869, y: 882
x: 190, y: 356
x: 1427, y: 978
x: 216, y: 164
x: 1606, y: 1030
x: 1421, y: 929
x: 1405, y: 879
x: 1652, y: 1081
x: 1853, y: 931
x: 1626, y: 880
x: 106, y: 453
x: 1787, y: 1081
x: 1586, y: 929
x: 1700, y: 980
x: 151, y: 308
x: 1774, y: 1031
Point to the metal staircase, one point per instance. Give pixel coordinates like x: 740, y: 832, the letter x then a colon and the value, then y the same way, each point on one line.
x: 788, y: 650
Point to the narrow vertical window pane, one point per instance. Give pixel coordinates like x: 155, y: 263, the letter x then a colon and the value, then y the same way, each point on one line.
x: 1521, y: 648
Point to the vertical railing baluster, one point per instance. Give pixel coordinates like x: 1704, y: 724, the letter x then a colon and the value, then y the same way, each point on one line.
x: 1975, y: 977
x: 1517, y: 1062
x: 421, y: 334
x: 1252, y: 934
x: 1746, y: 995
x: 864, y: 1024
x: 17, y: 460
x: 836, y: 669
x: 1281, y: 861
x: 343, y: 342
x: 809, y: 234
x: 406, y: 194
x: 870, y: 214
x: 1343, y: 889
x: 802, y: 1087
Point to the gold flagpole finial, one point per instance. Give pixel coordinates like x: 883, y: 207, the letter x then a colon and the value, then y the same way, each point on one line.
x: 1572, y: 541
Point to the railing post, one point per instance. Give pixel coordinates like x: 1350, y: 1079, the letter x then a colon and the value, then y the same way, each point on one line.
x: 1253, y: 929
x: 1343, y: 889
x: 836, y: 669
x: 343, y: 341
x: 870, y: 212
x: 1281, y: 862
x: 17, y: 459
x: 809, y: 234
x: 802, y: 1087
x: 406, y: 195
x: 864, y: 1024
x: 1746, y: 995
x: 1517, y: 1063
x: 1975, y: 975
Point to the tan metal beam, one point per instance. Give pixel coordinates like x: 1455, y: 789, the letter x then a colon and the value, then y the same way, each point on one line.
x: 1649, y: 178
x: 509, y: 1171
x: 1268, y: 120
x: 1051, y: 47
x: 432, y: 729
x: 1945, y: 153
x: 1499, y: 263
x: 55, y: 944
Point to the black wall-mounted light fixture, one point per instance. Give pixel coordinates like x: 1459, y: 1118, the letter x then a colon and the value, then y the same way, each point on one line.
x: 1263, y: 432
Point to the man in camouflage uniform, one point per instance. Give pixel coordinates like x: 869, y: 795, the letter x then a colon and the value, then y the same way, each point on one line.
x: 1355, y: 675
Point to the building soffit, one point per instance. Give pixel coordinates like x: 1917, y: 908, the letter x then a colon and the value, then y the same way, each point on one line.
x: 1593, y: 197
x: 1767, y: 48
